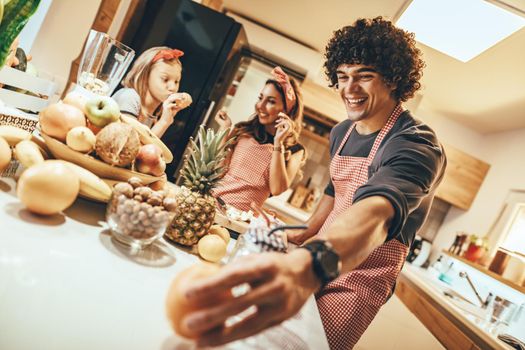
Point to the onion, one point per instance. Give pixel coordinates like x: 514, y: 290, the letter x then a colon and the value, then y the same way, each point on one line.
x: 48, y: 188
x: 221, y: 232
x: 81, y: 139
x: 57, y: 119
x: 212, y: 248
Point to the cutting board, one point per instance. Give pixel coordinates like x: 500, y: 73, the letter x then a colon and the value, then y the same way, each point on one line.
x: 234, y: 225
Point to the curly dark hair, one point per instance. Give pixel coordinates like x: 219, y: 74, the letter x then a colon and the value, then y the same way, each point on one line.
x: 378, y: 43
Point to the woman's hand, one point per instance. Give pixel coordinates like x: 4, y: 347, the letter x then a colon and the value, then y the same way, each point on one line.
x: 223, y: 120
x: 284, y: 129
x: 280, y: 285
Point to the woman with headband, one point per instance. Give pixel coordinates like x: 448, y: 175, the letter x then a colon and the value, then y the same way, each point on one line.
x: 151, y: 88
x: 266, y: 154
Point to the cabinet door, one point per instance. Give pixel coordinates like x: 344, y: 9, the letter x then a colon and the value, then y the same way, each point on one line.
x: 323, y: 100
x: 463, y: 178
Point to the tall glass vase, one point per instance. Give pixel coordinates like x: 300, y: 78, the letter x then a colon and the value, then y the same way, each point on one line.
x: 103, y: 64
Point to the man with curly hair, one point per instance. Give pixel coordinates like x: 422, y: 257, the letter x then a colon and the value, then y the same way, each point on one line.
x: 384, y: 170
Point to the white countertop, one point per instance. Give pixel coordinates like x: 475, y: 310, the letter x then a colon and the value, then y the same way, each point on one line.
x: 65, y: 284
x: 434, y: 288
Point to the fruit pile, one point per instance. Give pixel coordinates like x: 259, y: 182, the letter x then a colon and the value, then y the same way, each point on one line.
x: 46, y: 186
x: 95, y: 126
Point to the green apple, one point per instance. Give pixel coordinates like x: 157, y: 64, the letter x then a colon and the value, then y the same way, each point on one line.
x: 102, y: 110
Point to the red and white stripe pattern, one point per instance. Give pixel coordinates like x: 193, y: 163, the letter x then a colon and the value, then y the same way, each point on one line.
x: 348, y: 304
x: 248, y: 176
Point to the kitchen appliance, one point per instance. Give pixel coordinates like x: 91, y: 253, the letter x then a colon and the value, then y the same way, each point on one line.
x: 419, y: 251
x: 212, y: 43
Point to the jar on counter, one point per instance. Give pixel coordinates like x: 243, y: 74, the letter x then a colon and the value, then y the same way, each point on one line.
x: 137, y: 215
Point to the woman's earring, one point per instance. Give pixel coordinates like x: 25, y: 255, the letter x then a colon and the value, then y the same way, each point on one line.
x: 336, y: 86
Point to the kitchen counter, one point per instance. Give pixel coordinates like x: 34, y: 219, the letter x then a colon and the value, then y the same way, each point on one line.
x: 66, y: 284
x: 455, y: 328
x: 280, y: 205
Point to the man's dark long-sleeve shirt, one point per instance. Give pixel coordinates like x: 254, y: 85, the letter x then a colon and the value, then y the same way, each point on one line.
x: 407, y: 169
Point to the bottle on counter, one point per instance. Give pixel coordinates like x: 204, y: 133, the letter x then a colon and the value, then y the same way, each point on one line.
x: 445, y: 276
x: 311, y: 199
x: 299, y: 194
x: 436, y: 267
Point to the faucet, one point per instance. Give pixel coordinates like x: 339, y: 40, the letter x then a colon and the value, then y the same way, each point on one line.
x: 484, y: 303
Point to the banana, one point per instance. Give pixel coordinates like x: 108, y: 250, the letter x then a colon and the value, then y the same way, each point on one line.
x: 5, y: 153
x: 147, y: 137
x: 42, y: 146
x: 28, y: 153
x: 13, y: 135
x: 91, y: 185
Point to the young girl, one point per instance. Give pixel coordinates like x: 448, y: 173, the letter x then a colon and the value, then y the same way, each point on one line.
x: 266, y: 154
x: 150, y: 89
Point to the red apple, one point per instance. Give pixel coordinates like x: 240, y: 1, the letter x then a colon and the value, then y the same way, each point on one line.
x: 149, y: 160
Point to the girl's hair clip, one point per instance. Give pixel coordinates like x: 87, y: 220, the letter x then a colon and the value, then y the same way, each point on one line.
x: 167, y: 55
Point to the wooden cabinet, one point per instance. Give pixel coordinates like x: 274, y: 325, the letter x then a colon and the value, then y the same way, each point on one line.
x: 390, y: 327
x: 450, y: 332
x: 323, y: 100
x: 463, y: 178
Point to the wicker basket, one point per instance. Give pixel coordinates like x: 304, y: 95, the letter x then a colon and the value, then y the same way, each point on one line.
x: 26, y: 122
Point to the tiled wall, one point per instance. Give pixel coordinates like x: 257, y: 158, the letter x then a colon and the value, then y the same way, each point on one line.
x: 435, y: 218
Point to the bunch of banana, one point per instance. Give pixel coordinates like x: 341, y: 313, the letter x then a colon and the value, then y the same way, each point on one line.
x: 147, y: 137
x: 29, y: 150
x: 14, y: 135
x: 91, y: 185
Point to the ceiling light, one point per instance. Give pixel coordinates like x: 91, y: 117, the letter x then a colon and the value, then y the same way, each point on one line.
x: 461, y: 29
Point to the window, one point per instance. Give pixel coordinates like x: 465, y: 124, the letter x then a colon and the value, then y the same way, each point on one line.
x: 514, y: 235
x: 508, y: 230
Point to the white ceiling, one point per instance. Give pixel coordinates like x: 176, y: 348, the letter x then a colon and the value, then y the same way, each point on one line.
x: 486, y: 94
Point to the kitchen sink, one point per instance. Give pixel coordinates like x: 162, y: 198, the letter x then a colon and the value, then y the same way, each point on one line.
x: 465, y: 304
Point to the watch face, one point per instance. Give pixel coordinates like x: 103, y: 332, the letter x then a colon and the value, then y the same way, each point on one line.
x: 326, y: 262
x: 329, y: 261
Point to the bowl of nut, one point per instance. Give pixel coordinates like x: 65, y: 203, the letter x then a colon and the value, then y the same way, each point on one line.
x: 136, y: 214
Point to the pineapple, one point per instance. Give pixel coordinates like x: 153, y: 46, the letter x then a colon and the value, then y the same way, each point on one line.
x: 203, y: 168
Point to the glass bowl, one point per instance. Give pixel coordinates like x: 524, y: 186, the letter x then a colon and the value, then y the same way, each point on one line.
x: 135, y: 222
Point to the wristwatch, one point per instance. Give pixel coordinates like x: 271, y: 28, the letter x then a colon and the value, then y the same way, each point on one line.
x: 325, y: 261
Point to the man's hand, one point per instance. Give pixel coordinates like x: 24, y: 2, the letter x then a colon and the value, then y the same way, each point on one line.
x: 299, y: 236
x: 279, y: 284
